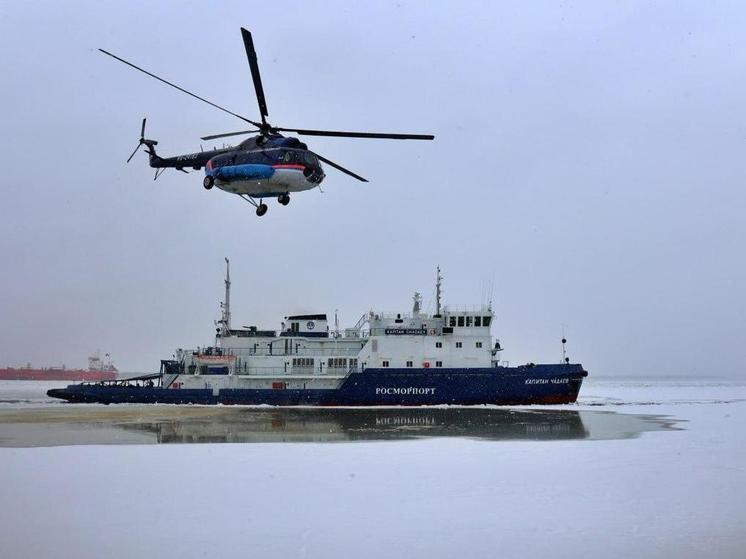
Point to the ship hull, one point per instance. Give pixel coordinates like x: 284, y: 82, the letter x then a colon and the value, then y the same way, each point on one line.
x: 537, y: 384
x: 57, y: 374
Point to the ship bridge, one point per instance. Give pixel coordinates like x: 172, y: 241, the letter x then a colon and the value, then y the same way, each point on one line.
x: 459, y: 318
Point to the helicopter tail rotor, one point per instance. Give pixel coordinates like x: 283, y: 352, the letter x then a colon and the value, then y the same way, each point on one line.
x: 144, y: 142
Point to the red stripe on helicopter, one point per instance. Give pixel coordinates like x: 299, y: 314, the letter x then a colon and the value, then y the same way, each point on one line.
x: 289, y: 166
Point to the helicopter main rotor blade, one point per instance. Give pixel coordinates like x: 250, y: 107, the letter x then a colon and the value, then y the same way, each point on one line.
x: 255, y: 76
x: 180, y: 88
x: 213, y: 136
x: 383, y: 135
x: 339, y: 167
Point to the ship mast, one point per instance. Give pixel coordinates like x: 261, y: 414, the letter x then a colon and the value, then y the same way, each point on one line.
x: 439, y: 278
x: 226, y: 305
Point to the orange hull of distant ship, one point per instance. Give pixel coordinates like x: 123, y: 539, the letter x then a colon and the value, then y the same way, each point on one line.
x: 97, y: 370
x: 53, y: 373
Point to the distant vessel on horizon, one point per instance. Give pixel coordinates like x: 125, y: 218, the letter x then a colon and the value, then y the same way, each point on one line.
x: 97, y: 370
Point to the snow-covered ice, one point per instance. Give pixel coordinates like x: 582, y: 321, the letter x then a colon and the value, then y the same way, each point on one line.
x: 672, y: 485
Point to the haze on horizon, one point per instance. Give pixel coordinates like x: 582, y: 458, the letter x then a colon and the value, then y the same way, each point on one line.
x: 587, y: 176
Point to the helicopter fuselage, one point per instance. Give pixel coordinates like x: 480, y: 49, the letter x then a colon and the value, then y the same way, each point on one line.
x: 259, y: 167
x: 263, y: 166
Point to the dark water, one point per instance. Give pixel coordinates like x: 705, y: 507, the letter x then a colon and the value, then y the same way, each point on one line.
x: 80, y: 424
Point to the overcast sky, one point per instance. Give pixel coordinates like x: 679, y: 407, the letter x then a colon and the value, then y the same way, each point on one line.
x: 588, y: 171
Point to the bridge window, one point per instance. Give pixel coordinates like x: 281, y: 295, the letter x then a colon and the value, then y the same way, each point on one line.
x: 477, y: 321
x: 452, y: 321
x: 303, y: 363
x: 337, y: 363
x: 461, y: 321
x: 468, y: 322
x: 486, y: 320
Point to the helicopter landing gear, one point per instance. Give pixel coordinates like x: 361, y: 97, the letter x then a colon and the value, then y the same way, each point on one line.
x: 208, y: 182
x: 284, y: 199
x: 261, y: 207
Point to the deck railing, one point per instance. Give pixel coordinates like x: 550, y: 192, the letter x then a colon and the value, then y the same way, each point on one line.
x: 288, y: 371
x: 279, y: 351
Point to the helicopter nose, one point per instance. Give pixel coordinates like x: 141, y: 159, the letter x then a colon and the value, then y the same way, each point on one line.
x: 313, y: 174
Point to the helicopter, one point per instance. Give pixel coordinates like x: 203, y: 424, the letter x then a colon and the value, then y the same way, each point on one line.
x: 266, y: 165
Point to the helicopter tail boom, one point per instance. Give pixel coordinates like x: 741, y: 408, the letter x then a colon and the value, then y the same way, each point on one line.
x: 194, y: 160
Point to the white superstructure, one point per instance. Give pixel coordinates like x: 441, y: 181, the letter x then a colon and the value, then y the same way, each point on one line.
x: 306, y: 353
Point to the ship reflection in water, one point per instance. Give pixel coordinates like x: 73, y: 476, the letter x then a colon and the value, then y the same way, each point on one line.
x: 195, y: 424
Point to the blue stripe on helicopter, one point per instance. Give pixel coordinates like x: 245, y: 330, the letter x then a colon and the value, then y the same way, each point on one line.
x: 249, y: 171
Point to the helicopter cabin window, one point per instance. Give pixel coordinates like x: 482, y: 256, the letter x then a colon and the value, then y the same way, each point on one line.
x: 461, y: 321
x: 486, y: 320
x: 477, y: 321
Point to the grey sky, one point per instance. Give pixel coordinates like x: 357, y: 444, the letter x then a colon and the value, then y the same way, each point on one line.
x: 588, y: 163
